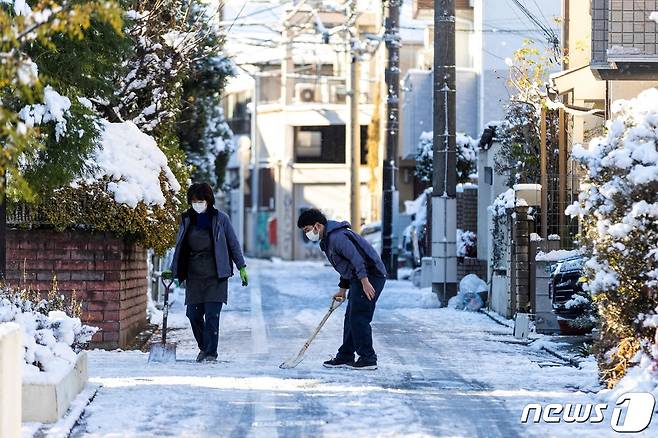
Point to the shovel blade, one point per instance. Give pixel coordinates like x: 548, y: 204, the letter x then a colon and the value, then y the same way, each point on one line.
x: 162, y: 353
x: 291, y: 363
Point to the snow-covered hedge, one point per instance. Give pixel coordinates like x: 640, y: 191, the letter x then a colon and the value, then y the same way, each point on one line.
x: 130, y: 190
x: 618, y: 209
x: 466, y: 157
x: 51, y: 338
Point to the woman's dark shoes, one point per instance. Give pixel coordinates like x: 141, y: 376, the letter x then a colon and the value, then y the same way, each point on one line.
x: 364, y: 364
x: 338, y: 363
x: 210, y: 358
x: 201, y: 356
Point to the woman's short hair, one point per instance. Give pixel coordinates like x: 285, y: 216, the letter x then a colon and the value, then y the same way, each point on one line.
x: 201, y: 192
x: 311, y: 217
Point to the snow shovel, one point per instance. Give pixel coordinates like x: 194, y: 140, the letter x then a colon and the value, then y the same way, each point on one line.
x: 293, y: 362
x: 163, y: 351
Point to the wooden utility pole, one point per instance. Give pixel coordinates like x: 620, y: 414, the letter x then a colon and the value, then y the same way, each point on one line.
x: 392, y: 79
x: 562, y: 173
x: 444, y: 178
x: 543, y: 166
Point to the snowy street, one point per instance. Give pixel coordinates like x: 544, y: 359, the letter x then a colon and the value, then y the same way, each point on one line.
x: 441, y: 372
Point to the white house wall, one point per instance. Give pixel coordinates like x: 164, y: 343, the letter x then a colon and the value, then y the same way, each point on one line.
x: 416, y: 112
x: 501, y: 29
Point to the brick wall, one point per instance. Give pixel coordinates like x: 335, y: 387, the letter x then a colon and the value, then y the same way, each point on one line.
x: 466, y: 265
x: 467, y: 209
x: 108, y: 274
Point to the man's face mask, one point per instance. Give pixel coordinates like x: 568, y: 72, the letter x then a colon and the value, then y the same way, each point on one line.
x: 313, y: 235
x: 199, y: 206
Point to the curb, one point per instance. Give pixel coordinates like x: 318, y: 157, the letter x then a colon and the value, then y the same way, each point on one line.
x: 570, y: 360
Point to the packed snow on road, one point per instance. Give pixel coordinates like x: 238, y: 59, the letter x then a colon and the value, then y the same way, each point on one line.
x: 441, y: 372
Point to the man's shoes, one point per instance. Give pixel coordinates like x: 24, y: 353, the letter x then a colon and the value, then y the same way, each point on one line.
x: 210, y: 358
x: 364, y: 364
x: 338, y: 363
x: 201, y: 356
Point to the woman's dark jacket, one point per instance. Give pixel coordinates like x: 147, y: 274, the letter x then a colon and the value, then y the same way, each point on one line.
x: 226, y: 246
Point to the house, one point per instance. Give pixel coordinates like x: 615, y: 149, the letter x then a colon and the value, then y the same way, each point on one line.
x: 612, y: 54
x: 297, y: 90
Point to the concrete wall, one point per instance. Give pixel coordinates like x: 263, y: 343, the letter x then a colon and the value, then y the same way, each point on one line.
x: 11, y: 370
x: 487, y: 193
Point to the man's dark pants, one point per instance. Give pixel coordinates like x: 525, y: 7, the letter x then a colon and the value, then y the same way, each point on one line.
x: 204, y: 319
x: 357, y: 333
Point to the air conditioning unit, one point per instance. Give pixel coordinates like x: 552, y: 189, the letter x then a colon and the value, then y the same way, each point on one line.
x: 305, y: 92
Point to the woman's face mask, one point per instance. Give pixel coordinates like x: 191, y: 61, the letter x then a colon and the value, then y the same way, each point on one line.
x: 313, y: 235
x: 199, y: 206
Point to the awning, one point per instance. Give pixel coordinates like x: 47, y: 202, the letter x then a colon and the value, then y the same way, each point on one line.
x: 581, y: 82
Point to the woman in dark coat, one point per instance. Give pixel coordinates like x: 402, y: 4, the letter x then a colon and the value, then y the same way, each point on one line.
x: 206, y: 250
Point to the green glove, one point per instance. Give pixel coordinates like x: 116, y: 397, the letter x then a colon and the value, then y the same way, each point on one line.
x: 167, y: 275
x: 243, y: 276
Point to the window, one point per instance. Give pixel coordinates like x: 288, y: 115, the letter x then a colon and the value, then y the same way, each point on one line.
x: 488, y: 175
x: 364, y: 145
x: 320, y: 144
x: 325, y: 144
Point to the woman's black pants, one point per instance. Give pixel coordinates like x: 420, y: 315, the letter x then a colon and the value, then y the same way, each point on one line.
x: 204, y: 319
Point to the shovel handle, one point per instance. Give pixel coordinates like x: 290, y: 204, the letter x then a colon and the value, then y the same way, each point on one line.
x: 167, y: 279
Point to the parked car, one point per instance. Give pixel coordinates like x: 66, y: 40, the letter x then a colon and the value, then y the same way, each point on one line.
x: 566, y: 280
x: 372, y: 232
x: 414, y: 239
x: 572, y: 303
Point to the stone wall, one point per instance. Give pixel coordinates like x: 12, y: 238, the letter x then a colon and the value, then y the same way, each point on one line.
x: 108, y: 274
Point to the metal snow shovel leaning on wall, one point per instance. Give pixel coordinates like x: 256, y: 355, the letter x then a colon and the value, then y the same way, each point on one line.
x: 163, y: 351
x: 293, y: 362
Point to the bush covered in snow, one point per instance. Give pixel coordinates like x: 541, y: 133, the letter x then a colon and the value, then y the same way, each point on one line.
x: 466, y: 243
x: 135, y: 116
x: 466, y: 157
x: 618, y: 209
x: 51, y: 338
x: 130, y: 190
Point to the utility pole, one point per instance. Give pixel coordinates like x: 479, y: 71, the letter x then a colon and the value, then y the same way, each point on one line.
x: 354, y: 126
x: 444, y: 178
x: 392, y: 79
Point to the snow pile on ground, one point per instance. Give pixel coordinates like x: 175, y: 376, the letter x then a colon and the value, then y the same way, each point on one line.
x: 399, y: 294
x: 51, y: 338
x: 134, y: 164
x: 469, y: 296
x: 54, y: 109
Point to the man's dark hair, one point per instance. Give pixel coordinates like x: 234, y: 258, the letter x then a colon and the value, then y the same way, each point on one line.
x: 201, y: 192
x: 310, y: 217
